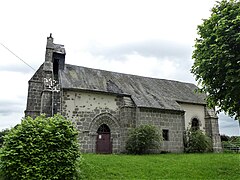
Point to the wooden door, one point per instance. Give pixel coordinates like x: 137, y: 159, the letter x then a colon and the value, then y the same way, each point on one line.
x: 104, y: 144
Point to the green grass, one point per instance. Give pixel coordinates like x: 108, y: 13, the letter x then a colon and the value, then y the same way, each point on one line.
x: 162, y: 166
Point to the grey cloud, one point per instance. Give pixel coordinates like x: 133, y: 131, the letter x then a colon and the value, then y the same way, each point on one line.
x: 17, y: 68
x: 228, y: 125
x: 150, y: 48
x: 226, y: 120
x: 8, y: 121
x: 10, y: 107
x: 179, y: 54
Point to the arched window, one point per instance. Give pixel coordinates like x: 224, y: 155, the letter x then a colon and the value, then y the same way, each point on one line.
x: 103, y: 129
x: 195, y: 124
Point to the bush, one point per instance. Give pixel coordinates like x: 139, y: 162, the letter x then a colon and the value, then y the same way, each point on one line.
x: 2, y: 134
x: 224, y: 138
x: 142, y: 139
x: 41, y: 148
x: 232, y: 145
x: 196, y: 141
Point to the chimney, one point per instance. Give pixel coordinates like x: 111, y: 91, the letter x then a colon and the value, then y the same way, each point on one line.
x: 55, y: 55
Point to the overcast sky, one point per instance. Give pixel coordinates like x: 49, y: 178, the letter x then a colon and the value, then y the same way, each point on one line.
x: 142, y: 37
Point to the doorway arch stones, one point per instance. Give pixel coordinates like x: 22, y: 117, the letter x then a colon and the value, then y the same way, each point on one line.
x: 112, y: 123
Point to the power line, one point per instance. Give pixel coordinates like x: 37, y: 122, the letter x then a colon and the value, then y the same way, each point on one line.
x: 18, y: 57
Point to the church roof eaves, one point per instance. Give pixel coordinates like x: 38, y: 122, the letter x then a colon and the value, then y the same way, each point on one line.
x: 145, y: 91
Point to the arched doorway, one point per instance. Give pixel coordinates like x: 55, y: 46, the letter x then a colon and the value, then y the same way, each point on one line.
x: 104, y: 144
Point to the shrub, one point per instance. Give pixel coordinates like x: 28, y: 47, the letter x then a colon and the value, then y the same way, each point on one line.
x: 224, y: 138
x: 142, y: 139
x: 232, y: 145
x: 196, y: 141
x: 2, y: 134
x: 41, y: 148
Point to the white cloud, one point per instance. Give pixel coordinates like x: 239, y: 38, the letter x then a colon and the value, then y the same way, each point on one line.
x: 13, y: 85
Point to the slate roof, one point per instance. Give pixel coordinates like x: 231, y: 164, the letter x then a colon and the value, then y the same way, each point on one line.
x: 145, y: 91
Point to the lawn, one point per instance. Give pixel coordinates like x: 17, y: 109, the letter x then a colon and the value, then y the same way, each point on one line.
x: 162, y: 166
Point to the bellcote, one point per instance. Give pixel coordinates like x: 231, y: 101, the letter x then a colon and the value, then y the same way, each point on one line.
x: 55, y: 55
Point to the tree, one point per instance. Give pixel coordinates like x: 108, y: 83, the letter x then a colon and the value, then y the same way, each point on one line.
x: 40, y: 148
x: 142, y: 139
x: 224, y: 138
x: 217, y: 57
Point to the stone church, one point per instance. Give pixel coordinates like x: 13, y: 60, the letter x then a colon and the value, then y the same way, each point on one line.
x: 105, y: 105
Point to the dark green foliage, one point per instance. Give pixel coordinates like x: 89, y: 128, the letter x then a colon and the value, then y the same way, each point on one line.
x: 142, y: 139
x: 235, y: 139
x: 231, y: 144
x: 41, y: 148
x: 217, y: 57
x: 195, y: 141
x: 224, y: 138
x: 2, y: 134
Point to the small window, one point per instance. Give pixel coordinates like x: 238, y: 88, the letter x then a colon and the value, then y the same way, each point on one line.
x: 165, y: 134
x: 195, y: 124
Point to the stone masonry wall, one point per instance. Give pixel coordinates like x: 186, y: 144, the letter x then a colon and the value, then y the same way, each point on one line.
x: 128, y: 121
x: 40, y: 99
x: 217, y: 146
x: 88, y: 110
x: 173, y: 121
x: 35, y: 89
x: 212, y: 129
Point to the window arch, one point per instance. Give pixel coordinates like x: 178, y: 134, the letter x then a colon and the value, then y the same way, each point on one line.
x: 195, y: 124
x: 103, y: 129
x: 104, y: 118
